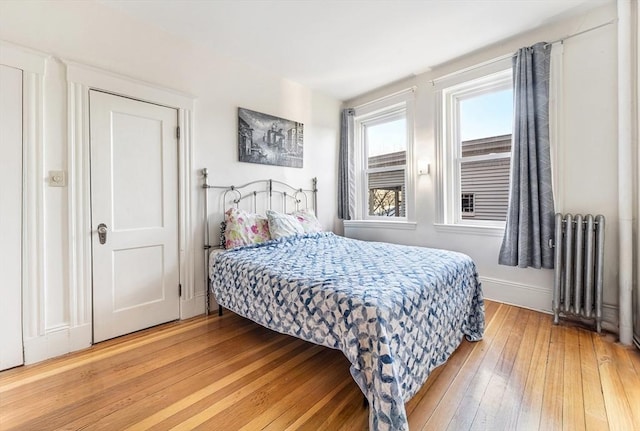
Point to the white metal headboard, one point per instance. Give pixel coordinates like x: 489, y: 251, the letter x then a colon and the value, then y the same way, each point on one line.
x: 260, y: 195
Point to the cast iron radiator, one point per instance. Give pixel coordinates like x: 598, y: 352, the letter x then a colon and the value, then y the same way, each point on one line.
x: 579, y: 268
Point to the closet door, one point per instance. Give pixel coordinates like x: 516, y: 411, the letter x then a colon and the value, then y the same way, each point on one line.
x: 134, y: 202
x: 11, y: 217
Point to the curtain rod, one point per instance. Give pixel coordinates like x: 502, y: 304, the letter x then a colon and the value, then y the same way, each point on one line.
x: 503, y: 57
x: 411, y: 89
x: 561, y: 40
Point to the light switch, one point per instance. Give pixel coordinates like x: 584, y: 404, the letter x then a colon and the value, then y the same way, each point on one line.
x: 57, y: 178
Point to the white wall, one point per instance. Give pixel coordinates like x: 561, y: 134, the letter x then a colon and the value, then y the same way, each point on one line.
x: 636, y: 212
x: 96, y: 35
x: 587, y: 169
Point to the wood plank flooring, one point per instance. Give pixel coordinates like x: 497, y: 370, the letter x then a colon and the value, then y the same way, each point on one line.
x: 227, y: 373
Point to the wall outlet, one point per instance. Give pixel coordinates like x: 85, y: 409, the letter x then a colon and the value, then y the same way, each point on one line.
x: 57, y: 178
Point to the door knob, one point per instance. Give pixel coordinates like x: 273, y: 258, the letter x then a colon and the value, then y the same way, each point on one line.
x: 102, y: 233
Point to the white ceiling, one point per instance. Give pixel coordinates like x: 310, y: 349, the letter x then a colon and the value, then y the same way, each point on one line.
x: 347, y: 47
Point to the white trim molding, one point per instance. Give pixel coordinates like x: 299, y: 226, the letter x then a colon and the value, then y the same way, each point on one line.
x: 55, y: 342
x: 33, y: 66
x: 81, y: 79
x: 523, y: 295
x: 469, y: 229
x: 79, y: 207
x: 636, y: 137
x: 388, y: 108
x: 448, y: 138
x: 379, y: 224
x: 33, y: 295
x: 536, y: 298
x: 105, y: 80
x: 556, y: 123
x: 26, y: 59
x: 625, y: 173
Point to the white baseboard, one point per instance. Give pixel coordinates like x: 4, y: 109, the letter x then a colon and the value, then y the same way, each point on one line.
x: 63, y: 339
x: 57, y: 342
x: 522, y: 295
x: 192, y: 307
x: 536, y: 298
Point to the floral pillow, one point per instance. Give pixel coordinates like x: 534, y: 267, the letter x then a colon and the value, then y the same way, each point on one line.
x: 308, y: 220
x: 282, y: 225
x: 244, y: 228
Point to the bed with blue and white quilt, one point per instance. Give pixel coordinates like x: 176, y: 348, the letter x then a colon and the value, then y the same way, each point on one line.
x: 396, y: 312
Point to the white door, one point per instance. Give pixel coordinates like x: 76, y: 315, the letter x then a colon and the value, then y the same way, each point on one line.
x: 11, y: 217
x: 134, y: 199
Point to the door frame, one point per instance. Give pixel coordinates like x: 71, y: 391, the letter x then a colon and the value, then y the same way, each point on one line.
x: 81, y: 79
x: 32, y: 64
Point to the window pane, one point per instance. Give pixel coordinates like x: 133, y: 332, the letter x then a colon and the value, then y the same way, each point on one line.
x: 486, y: 146
x: 386, y: 143
x: 387, y: 193
x: 487, y: 181
x: 485, y: 124
x: 489, y: 114
x: 467, y: 204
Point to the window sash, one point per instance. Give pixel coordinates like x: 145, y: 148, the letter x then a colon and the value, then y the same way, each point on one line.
x: 452, y: 145
x: 403, y: 202
x: 485, y: 157
x: 397, y: 113
x: 397, y: 204
x: 392, y: 113
x: 387, y: 108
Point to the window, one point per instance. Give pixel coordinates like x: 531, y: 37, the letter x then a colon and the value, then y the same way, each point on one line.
x: 382, y: 136
x: 466, y: 205
x: 476, y: 149
x: 385, y: 146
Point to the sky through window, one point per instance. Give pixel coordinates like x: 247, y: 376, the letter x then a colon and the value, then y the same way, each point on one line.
x: 486, y: 115
x: 388, y: 137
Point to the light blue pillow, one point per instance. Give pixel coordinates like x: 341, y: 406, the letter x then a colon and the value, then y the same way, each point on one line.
x: 282, y: 225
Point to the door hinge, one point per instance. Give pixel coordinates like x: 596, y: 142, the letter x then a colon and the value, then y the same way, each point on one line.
x: 180, y: 290
x: 178, y: 132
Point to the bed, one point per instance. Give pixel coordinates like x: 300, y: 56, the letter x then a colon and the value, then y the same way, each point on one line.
x: 396, y: 312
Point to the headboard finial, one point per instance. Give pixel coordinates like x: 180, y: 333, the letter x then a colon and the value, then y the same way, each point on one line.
x: 205, y: 174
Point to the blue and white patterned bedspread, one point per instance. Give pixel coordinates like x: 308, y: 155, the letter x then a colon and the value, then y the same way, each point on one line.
x: 396, y: 312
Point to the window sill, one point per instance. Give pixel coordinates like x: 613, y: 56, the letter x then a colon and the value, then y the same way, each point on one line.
x: 467, y: 229
x: 379, y: 224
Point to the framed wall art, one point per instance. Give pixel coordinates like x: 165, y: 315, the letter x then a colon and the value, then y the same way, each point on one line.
x: 269, y: 140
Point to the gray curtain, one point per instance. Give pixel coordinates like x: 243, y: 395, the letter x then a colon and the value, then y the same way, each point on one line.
x: 530, y: 218
x: 346, y: 195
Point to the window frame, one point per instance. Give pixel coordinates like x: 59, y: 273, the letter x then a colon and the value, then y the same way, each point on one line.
x: 394, y: 107
x: 483, y: 81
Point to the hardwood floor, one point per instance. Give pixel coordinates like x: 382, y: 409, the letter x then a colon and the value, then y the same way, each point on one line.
x: 230, y: 374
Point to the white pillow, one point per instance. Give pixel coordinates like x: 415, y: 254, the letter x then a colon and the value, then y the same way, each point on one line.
x: 282, y: 225
x: 308, y: 220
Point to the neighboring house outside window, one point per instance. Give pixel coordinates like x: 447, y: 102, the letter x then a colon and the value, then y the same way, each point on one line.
x: 475, y: 148
x: 383, y: 146
x: 484, y: 177
x: 387, y: 186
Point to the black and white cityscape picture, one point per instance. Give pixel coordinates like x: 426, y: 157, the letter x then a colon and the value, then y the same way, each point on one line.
x: 269, y: 140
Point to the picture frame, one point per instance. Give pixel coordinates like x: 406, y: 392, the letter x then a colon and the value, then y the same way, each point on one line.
x: 269, y: 140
